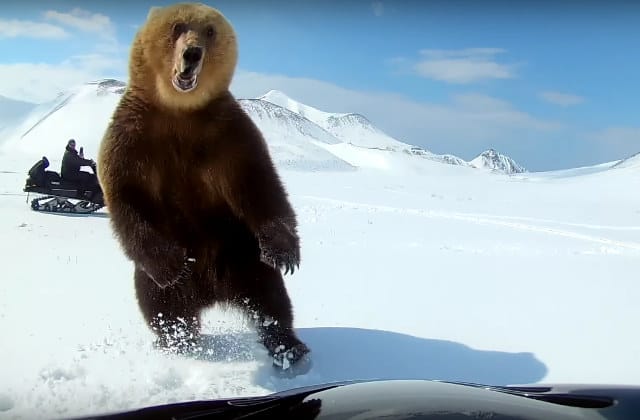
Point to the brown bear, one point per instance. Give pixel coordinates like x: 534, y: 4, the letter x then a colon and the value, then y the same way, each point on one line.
x: 193, y: 195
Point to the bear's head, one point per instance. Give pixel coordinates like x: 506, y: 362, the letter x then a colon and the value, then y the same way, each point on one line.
x: 184, y: 55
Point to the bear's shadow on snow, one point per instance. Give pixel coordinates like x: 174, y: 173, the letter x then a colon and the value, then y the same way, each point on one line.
x: 340, y: 354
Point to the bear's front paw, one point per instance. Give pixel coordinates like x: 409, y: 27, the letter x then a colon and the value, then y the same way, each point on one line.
x: 293, y: 361
x: 280, y: 259
x: 279, y: 247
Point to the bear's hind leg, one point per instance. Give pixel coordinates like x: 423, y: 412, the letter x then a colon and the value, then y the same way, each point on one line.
x: 261, y: 293
x: 171, y: 314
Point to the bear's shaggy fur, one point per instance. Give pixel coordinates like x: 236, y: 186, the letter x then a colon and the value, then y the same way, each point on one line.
x: 194, y: 198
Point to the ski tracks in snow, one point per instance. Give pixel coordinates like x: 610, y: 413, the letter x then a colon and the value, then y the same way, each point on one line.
x: 512, y: 222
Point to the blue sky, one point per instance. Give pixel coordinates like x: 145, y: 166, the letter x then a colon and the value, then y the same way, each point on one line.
x: 552, y: 84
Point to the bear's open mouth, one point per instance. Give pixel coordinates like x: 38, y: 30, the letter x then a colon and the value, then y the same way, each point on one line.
x: 187, y: 67
x: 185, y: 83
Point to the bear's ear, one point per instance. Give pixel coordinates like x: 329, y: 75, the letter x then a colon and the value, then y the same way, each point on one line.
x: 153, y: 11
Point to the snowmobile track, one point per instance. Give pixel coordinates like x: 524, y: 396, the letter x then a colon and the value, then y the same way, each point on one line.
x: 489, y: 220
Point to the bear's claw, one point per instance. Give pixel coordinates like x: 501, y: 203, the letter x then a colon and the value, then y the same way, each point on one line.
x: 279, y: 247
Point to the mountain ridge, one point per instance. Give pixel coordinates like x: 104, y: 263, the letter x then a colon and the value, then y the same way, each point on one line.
x: 495, y: 161
x: 275, y: 109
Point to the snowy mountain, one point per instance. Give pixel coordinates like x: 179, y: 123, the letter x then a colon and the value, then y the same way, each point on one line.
x: 293, y: 140
x: 350, y: 128
x: 495, y: 161
x: 630, y: 162
x: 355, y: 129
x: 312, y: 114
x: 446, y: 158
x: 81, y: 113
x: 268, y: 113
x: 299, y: 136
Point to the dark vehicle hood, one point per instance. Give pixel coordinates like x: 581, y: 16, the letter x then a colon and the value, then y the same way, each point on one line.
x: 404, y: 399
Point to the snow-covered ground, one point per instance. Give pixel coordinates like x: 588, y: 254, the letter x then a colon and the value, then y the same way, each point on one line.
x: 411, y: 268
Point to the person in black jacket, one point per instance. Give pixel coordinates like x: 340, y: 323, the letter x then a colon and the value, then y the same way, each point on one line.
x: 71, y: 164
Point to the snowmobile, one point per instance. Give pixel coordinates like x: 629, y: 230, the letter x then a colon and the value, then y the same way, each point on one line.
x: 61, y: 196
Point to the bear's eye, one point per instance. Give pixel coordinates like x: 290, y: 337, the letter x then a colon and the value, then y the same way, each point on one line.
x: 210, y: 32
x: 178, y: 29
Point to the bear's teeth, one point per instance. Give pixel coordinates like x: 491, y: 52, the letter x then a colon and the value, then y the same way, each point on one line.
x: 185, y: 85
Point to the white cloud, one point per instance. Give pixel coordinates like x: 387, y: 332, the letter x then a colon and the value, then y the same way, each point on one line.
x: 40, y: 82
x: 461, y: 66
x: 562, y: 99
x: 466, y: 124
x: 378, y: 8
x: 91, y: 23
x: 13, y: 28
x: 83, y: 20
x: 462, y: 53
x: 481, y: 108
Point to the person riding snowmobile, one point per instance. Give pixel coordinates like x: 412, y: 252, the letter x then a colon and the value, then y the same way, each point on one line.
x: 71, y: 164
